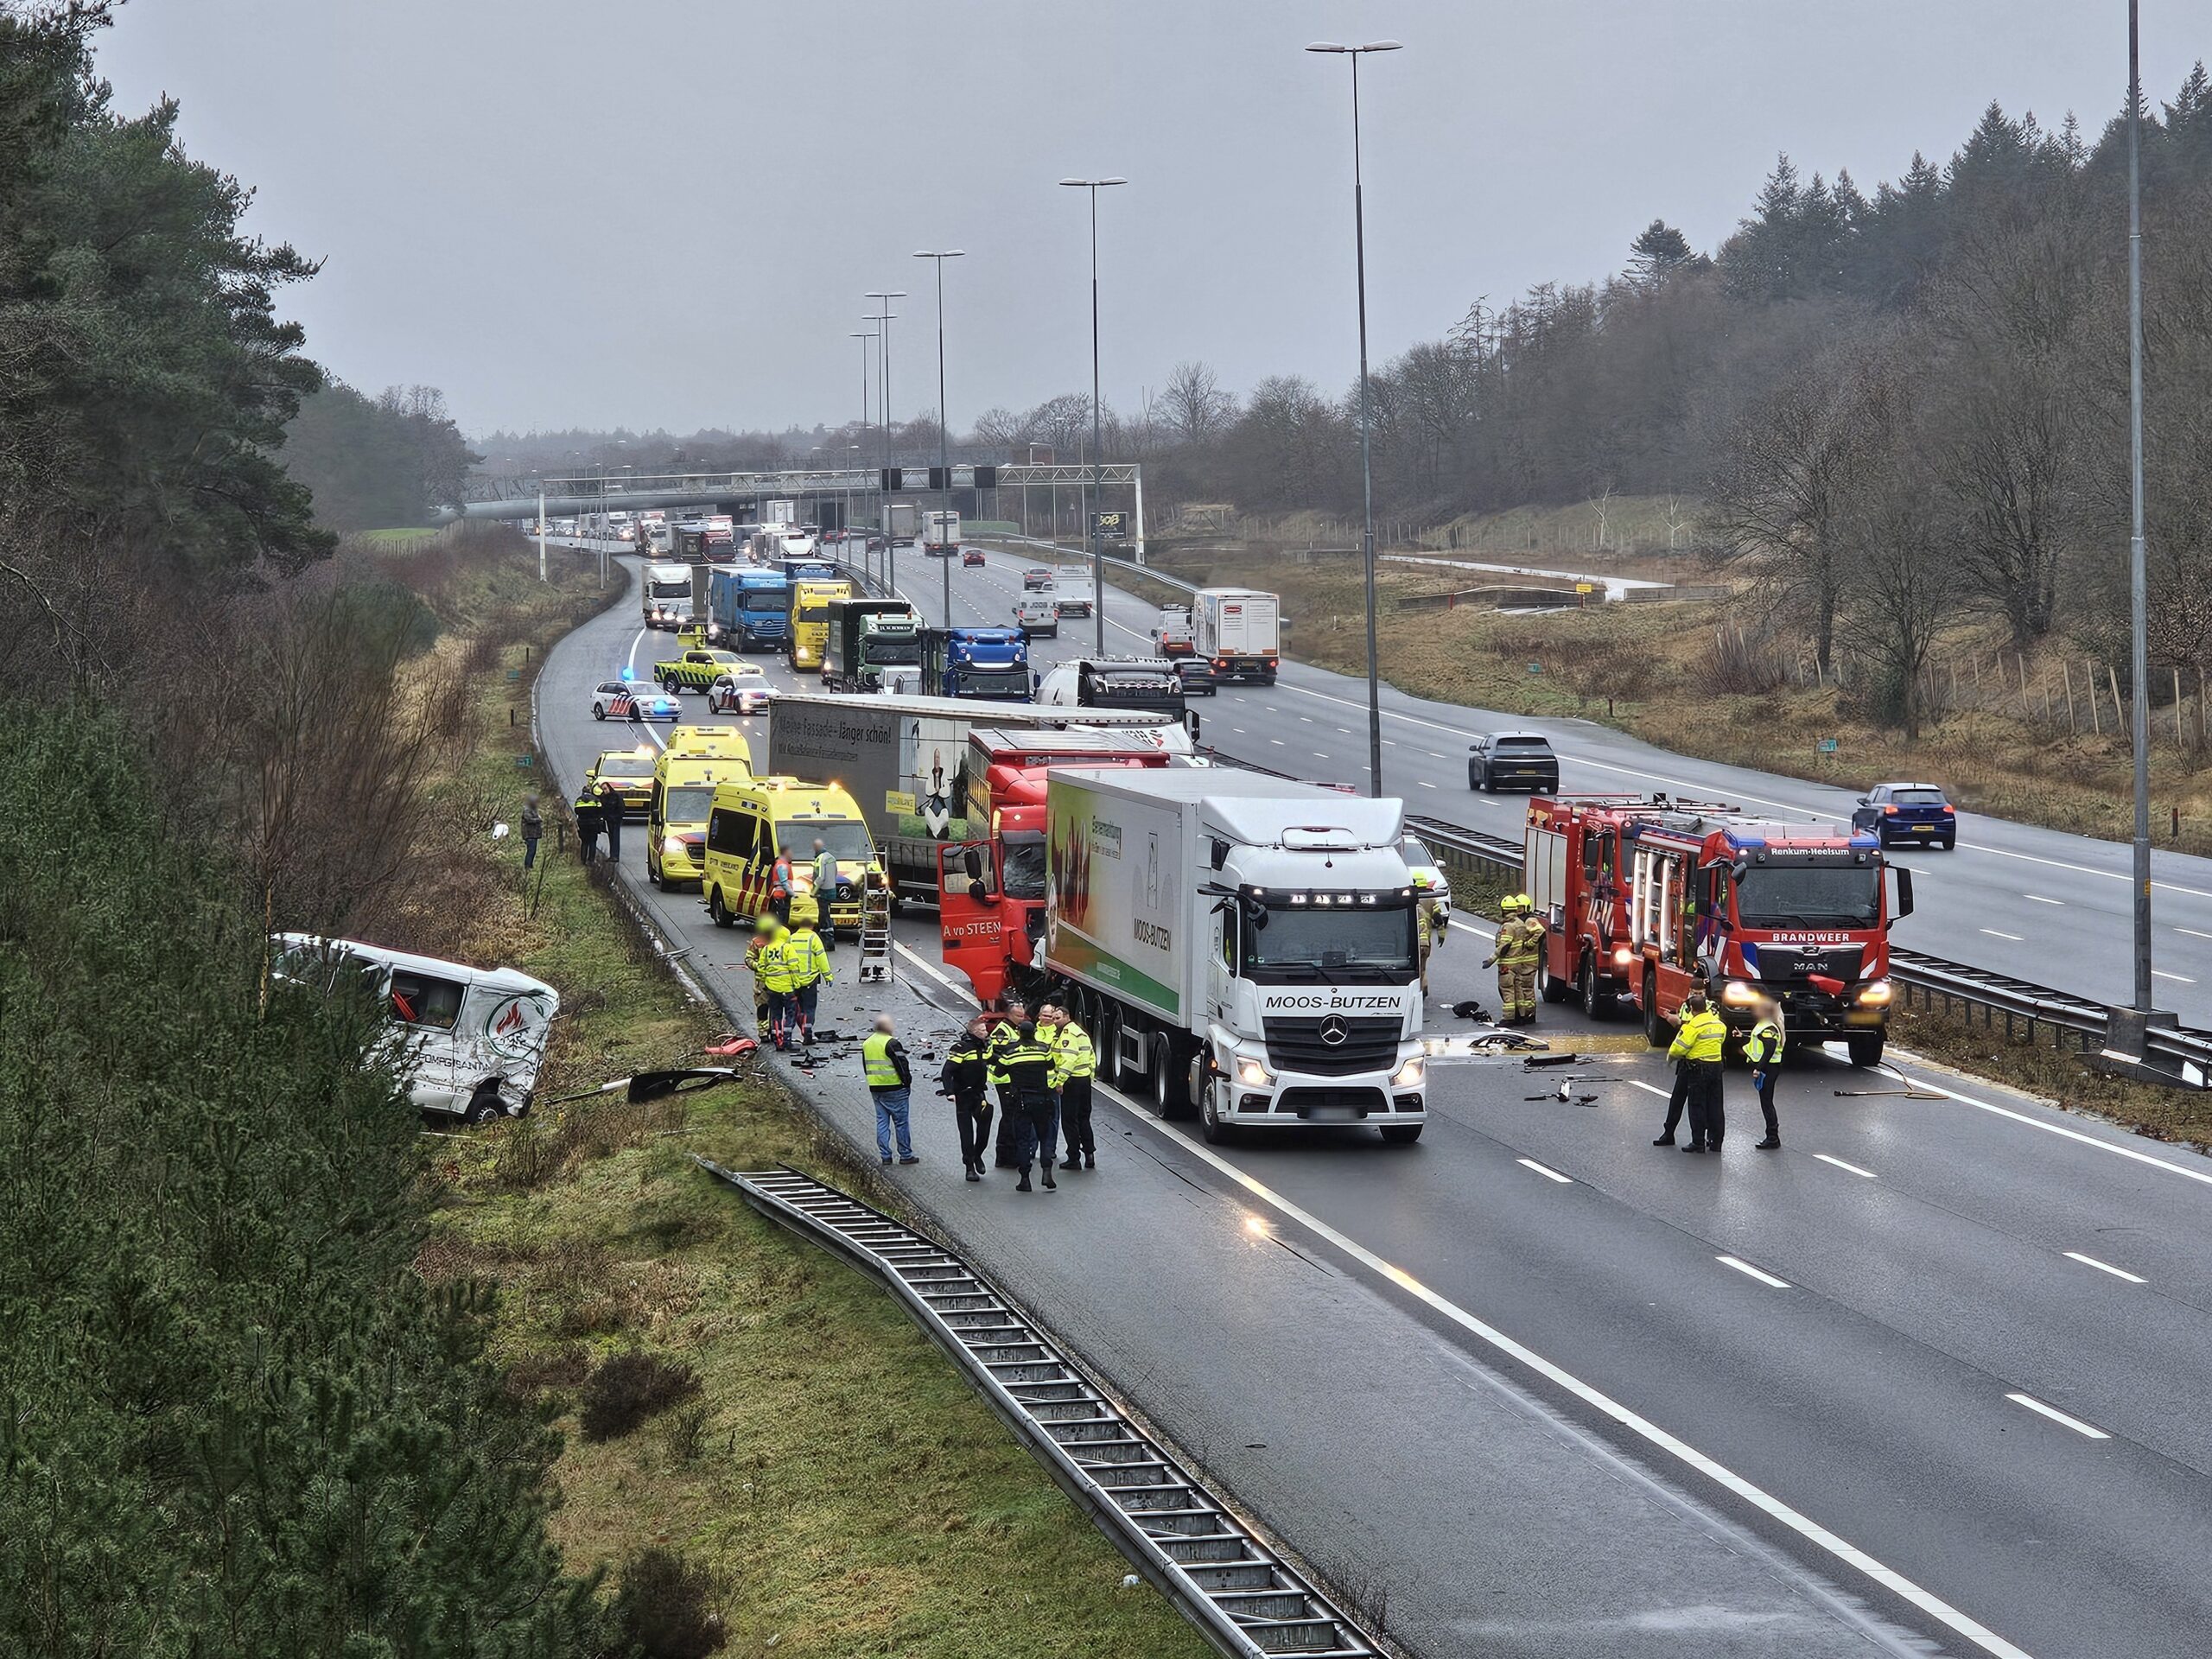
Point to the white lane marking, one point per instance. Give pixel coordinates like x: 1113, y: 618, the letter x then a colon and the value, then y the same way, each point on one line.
x: 1319, y: 755
x: 1749, y: 1271
x: 1276, y: 741
x: 2086, y: 1430
x: 1239, y: 730
x: 2193, y: 933
x: 1650, y: 1088
x: 1468, y: 927
x: 1843, y: 1549
x: 1994, y: 934
x: 2037, y: 898
x: 1853, y: 1168
x: 2160, y: 973
x: 2083, y: 869
x: 1344, y: 731
x: 2104, y: 1267
x: 2167, y: 1164
x: 1424, y: 783
x: 1548, y: 1174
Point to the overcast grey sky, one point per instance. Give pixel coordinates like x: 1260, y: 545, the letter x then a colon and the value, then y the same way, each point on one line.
x: 666, y: 213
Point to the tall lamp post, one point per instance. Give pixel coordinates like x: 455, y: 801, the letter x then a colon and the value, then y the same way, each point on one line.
x: 1097, y: 454
x: 890, y: 542
x: 2138, y: 579
x: 863, y: 335
x: 1366, y: 471
x: 943, y: 421
x: 852, y: 465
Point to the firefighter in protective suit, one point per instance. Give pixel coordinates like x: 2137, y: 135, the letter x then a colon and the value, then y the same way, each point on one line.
x: 1519, y: 947
x: 1430, y: 918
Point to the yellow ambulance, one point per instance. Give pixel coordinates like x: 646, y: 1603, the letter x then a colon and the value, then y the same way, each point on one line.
x: 675, y: 821
x: 755, y: 819
x: 721, y: 742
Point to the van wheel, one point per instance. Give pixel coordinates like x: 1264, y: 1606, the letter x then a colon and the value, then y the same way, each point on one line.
x: 718, y: 911
x: 652, y: 868
x: 1401, y: 1135
x: 1655, y: 1028
x: 484, y: 1106
x: 1165, y: 1079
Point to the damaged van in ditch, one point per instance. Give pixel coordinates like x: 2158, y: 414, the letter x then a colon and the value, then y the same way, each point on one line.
x: 469, y: 1040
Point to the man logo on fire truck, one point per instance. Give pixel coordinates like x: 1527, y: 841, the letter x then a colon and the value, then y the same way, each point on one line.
x: 1643, y: 900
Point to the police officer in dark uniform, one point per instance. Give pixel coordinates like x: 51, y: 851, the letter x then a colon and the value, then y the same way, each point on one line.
x: 995, y: 1046
x: 965, y: 1077
x: 1028, y: 1066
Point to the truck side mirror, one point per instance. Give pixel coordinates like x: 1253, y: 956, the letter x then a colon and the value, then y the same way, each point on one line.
x: 1190, y: 723
x: 972, y: 861
x: 1905, y: 896
x: 980, y: 891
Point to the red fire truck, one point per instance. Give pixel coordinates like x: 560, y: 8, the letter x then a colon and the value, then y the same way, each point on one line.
x: 991, y: 893
x: 1644, y: 899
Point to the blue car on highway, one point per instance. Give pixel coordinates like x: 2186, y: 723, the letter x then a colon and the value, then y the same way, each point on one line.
x: 1905, y: 812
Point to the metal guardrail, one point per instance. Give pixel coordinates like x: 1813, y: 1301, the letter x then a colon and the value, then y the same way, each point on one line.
x: 1932, y: 978
x: 1243, y: 1596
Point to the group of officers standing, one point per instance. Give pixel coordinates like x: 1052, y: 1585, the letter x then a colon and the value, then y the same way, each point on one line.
x: 1038, y: 1062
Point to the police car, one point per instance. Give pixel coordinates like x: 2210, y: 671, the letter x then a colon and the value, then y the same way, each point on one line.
x: 740, y: 690
x: 627, y: 700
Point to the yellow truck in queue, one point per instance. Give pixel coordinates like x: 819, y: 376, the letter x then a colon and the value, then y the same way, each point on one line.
x: 683, y: 796
x: 630, y: 771
x: 810, y: 614
x: 753, y: 819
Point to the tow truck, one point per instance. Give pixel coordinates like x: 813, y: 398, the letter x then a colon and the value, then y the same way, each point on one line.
x: 1646, y: 898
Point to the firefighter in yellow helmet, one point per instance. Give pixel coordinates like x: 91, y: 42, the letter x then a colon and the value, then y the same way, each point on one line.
x: 1432, y: 915
x: 1519, y: 947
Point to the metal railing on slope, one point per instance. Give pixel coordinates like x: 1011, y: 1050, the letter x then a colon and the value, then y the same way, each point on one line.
x: 1242, y: 1595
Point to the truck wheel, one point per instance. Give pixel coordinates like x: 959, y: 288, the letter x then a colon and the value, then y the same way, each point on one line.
x: 1401, y: 1135
x: 1655, y: 1028
x: 1865, y: 1048
x: 1218, y: 1134
x: 1596, y: 1004
x: 1167, y: 1079
x: 718, y: 911
x: 1550, y: 987
x: 1106, y: 1035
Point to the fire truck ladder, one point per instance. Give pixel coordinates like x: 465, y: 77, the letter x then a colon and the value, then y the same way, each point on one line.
x: 1242, y: 1596
x: 876, y: 927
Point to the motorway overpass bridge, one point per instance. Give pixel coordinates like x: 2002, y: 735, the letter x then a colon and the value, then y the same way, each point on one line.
x: 851, y: 488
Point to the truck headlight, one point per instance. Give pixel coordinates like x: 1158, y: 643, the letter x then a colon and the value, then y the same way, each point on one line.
x: 1622, y: 956
x: 1412, y: 1074
x: 1737, y: 995
x: 1252, y: 1074
x: 1874, y: 995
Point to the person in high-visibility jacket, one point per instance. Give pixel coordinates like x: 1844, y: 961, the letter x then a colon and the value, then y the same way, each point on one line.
x: 1002, y: 1038
x: 890, y: 1083
x: 1074, y: 1064
x: 1028, y: 1064
x: 1698, y: 1042
x: 1763, y: 1048
x: 776, y: 974
x: 808, y: 964
x: 1518, y: 948
x: 754, y: 946
x: 1429, y: 919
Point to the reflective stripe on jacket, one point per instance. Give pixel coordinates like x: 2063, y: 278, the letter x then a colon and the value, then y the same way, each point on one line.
x: 1028, y: 1064
x: 1520, y: 944
x: 1763, y: 1047
x: 775, y: 963
x: 1072, y: 1054
x: 1700, y: 1038
x: 804, y: 959
x: 1002, y: 1038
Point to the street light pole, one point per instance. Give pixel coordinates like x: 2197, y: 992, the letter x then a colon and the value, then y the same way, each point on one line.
x: 863, y: 335
x: 944, y: 423
x: 890, y: 542
x: 1097, y: 454
x: 2138, y: 579
x: 1366, y: 468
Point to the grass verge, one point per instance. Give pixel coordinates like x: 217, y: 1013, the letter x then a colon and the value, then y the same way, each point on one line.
x: 844, y: 1490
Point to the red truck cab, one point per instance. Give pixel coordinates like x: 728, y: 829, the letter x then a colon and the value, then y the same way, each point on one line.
x: 991, y: 892
x: 1644, y: 899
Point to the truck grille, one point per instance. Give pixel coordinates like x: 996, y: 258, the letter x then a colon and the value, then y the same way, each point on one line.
x: 1785, y: 962
x: 1332, y: 1102
x: 1331, y: 1046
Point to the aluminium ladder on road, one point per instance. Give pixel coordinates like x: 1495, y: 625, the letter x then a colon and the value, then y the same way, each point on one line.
x: 875, y: 929
x: 1242, y: 1596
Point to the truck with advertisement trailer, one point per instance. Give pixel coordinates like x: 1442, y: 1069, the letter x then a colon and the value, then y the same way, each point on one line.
x: 867, y: 636
x: 985, y: 663
x: 904, y: 758
x: 1644, y: 899
x: 1239, y: 631
x: 748, y: 609
x: 991, y: 888
x: 1241, y: 945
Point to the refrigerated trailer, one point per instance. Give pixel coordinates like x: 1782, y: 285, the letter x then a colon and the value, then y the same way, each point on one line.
x: 1238, y: 944
x: 1239, y: 631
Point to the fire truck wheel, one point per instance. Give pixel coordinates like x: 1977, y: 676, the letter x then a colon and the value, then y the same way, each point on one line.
x: 1655, y: 1028
x: 1865, y: 1048
x: 1551, y: 987
x: 1596, y: 1004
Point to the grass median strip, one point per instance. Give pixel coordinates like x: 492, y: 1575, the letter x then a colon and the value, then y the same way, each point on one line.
x: 831, y: 1473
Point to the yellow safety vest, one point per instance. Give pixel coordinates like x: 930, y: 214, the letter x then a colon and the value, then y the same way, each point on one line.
x: 1072, y: 1054
x: 1700, y: 1038
x: 1002, y: 1038
x: 1764, y: 1046
x: 876, y: 1058
x: 804, y: 959
x: 775, y: 968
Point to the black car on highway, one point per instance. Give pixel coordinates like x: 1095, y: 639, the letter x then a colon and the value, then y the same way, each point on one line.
x: 1512, y: 761
x: 1198, y: 676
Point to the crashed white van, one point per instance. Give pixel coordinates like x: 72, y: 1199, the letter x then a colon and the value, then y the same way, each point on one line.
x: 469, y: 1040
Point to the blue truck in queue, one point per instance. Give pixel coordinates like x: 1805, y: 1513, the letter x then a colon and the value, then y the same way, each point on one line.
x: 992, y: 662
x: 749, y: 609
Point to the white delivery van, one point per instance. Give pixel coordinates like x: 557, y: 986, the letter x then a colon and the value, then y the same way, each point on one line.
x: 470, y: 1040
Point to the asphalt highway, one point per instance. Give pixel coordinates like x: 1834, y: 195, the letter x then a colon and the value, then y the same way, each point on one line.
x: 1931, y: 1378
